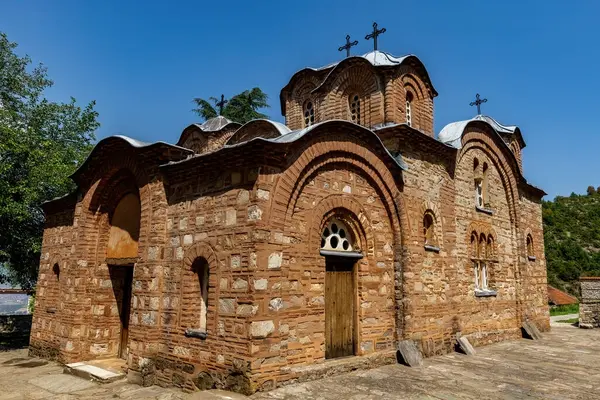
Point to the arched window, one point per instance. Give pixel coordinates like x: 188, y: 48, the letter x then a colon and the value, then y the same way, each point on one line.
x: 354, y: 103
x: 530, y: 248
x: 474, y: 251
x: 336, y: 237
x: 200, y: 270
x: 481, y: 186
x: 309, y: 113
x: 408, y: 110
x: 482, y: 256
x: 56, y: 271
x: 429, y: 231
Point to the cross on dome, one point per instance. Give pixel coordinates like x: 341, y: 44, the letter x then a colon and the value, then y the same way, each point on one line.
x: 348, y: 45
x: 373, y: 35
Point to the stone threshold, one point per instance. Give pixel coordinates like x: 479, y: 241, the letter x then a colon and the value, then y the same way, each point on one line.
x: 102, y: 371
x: 339, y: 366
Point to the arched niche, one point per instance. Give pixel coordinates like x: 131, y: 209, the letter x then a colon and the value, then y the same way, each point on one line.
x: 125, y: 230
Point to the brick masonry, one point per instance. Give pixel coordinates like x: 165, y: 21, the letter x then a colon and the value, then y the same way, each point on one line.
x: 254, y: 213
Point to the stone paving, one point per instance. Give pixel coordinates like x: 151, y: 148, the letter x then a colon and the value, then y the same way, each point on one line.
x: 564, y: 365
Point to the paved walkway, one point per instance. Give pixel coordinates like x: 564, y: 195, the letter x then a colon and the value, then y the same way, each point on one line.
x: 564, y: 365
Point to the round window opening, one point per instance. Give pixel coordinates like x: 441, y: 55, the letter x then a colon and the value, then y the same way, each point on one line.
x: 336, y: 237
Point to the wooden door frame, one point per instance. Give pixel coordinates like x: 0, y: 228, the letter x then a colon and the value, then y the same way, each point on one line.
x: 353, y: 258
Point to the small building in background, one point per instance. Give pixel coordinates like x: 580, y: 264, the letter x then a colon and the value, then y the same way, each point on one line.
x: 557, y: 297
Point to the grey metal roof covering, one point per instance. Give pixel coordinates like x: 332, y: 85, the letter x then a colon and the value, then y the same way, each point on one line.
x: 377, y: 58
x: 293, y: 136
x: 138, y: 144
x: 214, y: 124
x: 451, y: 134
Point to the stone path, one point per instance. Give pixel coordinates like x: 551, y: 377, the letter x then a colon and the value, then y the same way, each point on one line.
x: 564, y: 365
x: 565, y: 317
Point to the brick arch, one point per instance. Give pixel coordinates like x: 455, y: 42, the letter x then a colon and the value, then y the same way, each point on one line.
x: 191, y: 254
x: 349, y: 210
x: 293, y: 180
x: 475, y: 139
x: 98, y: 186
x: 300, y: 93
x: 428, y: 205
x: 101, y: 201
x: 409, y: 80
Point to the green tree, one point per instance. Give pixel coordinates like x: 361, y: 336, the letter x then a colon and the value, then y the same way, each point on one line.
x: 240, y: 108
x: 591, y: 190
x: 41, y: 144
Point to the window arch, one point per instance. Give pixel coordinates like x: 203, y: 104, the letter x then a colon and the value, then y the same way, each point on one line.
x: 480, y: 172
x: 309, y: 113
x: 483, y: 254
x: 194, y: 304
x: 337, y: 237
x: 200, y: 270
x: 409, y: 108
x: 530, y: 248
x: 429, y: 231
x: 354, y: 104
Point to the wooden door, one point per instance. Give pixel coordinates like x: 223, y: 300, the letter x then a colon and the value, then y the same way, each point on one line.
x: 339, y: 307
x: 125, y: 311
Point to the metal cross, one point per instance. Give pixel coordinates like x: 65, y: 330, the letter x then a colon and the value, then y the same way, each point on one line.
x: 221, y: 104
x: 478, y: 101
x: 375, y: 34
x: 348, y: 45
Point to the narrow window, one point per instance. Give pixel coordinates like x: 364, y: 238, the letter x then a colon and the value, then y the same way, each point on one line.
x: 56, y: 271
x: 354, y: 102
x: 479, y: 193
x: 200, y: 270
x: 530, y: 249
x: 429, y: 231
x: 484, y: 186
x: 409, y: 99
x: 481, y: 275
x: 309, y: 113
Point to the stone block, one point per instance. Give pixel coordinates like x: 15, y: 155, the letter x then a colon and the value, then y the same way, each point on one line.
x: 409, y: 354
x: 530, y: 331
x: 465, y: 346
x: 261, y: 329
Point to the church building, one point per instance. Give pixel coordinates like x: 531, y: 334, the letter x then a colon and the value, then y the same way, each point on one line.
x: 249, y: 256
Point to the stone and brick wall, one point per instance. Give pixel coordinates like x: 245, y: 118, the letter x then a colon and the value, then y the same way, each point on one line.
x: 382, y: 95
x: 589, y: 307
x: 255, y: 215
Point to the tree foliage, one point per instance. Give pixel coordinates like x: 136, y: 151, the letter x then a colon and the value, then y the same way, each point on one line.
x: 240, y: 108
x: 572, y: 239
x: 41, y: 144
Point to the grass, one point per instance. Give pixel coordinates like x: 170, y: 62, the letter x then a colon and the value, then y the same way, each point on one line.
x: 563, y: 310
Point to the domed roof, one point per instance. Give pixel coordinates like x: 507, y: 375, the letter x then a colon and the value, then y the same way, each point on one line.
x: 451, y: 134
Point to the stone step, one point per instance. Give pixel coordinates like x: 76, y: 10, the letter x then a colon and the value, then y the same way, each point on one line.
x: 92, y: 372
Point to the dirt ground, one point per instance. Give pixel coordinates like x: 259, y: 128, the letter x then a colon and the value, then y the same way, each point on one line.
x: 564, y: 365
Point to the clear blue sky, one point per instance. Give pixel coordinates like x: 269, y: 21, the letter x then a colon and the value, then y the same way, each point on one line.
x: 536, y: 61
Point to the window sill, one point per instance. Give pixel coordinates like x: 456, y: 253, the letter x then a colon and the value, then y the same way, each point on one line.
x: 429, y: 247
x: 196, y: 333
x: 486, y: 293
x: 487, y: 211
x: 531, y: 258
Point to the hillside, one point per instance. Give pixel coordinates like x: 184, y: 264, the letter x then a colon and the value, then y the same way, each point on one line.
x: 572, y: 239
